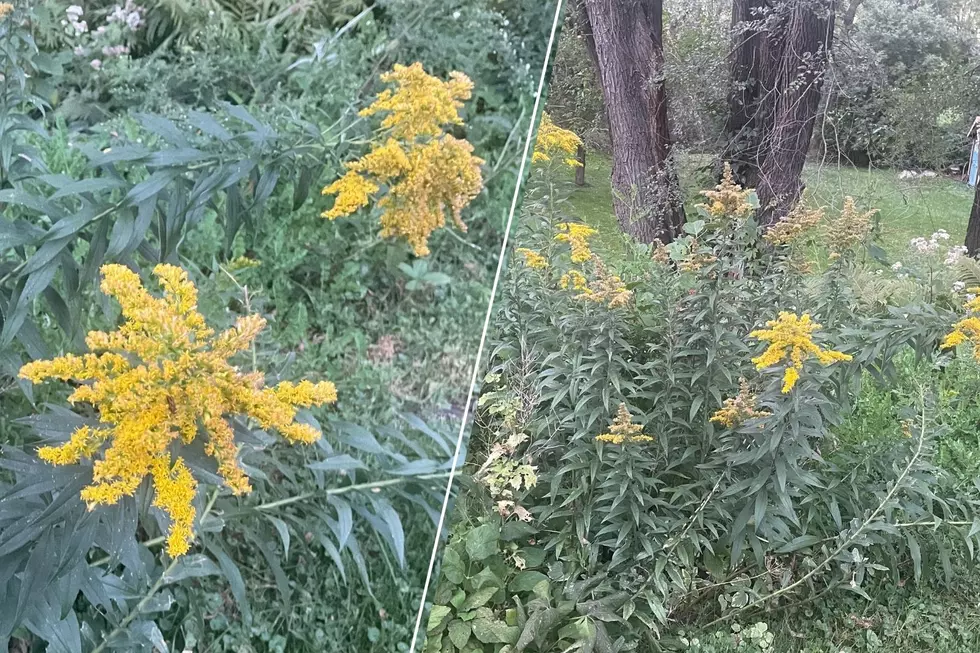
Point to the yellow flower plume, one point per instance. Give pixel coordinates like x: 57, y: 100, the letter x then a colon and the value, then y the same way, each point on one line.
x: 161, y: 377
x: 552, y: 140
x: 577, y: 236
x: 738, y: 409
x: 532, y: 259
x: 5, y: 9
x: 790, y: 339
x: 623, y: 429
x: 728, y: 200
x: 967, y: 329
x: 426, y: 171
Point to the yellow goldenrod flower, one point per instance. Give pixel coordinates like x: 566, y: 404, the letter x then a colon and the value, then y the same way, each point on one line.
x: 5, y: 9
x: 967, y: 329
x: 738, y: 409
x: 419, y: 105
x: 426, y: 171
x: 573, y: 279
x: 794, y: 227
x: 161, y: 377
x: 728, y: 200
x: 789, y: 338
x: 552, y: 139
x: 848, y: 230
x: 533, y: 259
x: 606, y: 288
x: 623, y: 429
x: 577, y: 236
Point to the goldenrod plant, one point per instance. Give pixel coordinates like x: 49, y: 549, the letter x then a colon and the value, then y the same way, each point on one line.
x: 416, y: 171
x: 693, y: 445
x: 163, y: 378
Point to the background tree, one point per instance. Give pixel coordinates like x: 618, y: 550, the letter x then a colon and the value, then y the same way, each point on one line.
x: 779, y: 60
x: 626, y: 42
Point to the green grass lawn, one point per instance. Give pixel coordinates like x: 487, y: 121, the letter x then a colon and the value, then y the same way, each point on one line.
x: 907, y: 208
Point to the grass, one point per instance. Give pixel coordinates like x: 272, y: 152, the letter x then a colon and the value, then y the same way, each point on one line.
x: 907, y: 208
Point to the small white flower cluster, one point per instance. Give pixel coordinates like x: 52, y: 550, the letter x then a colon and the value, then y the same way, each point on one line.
x: 924, y: 246
x: 74, y: 14
x: 959, y: 286
x: 130, y: 15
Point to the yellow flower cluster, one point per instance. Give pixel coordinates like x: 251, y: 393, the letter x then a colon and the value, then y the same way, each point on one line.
x: 848, y: 230
x: 533, y: 259
x: 790, y: 339
x: 161, y: 377
x: 426, y: 171
x: 623, y: 429
x: 577, y: 236
x: 728, y: 200
x: 575, y: 280
x: 606, y: 288
x: 967, y: 329
x: 738, y: 409
x: 552, y: 140
x: 794, y: 227
x: 5, y: 9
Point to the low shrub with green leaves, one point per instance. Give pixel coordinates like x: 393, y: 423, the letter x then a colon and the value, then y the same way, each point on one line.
x: 717, y: 428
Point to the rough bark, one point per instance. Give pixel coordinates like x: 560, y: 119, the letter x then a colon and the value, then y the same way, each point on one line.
x: 626, y: 37
x: 580, y: 170
x: 779, y: 60
x: 973, y: 228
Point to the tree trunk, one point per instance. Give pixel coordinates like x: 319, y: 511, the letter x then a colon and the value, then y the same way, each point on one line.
x: 973, y: 228
x: 779, y: 59
x: 627, y: 39
x: 580, y: 169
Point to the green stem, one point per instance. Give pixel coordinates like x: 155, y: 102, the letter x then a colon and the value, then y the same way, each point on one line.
x: 302, y: 497
x: 899, y: 482
x: 153, y: 589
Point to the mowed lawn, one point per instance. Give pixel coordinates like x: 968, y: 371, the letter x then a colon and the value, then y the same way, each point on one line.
x: 906, y: 208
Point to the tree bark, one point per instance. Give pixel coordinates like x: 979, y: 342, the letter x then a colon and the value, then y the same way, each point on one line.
x: 580, y: 169
x: 973, y: 227
x: 780, y: 56
x: 626, y: 37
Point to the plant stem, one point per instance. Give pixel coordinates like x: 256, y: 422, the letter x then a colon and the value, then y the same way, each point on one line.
x: 846, y: 543
x: 302, y: 497
x: 153, y: 589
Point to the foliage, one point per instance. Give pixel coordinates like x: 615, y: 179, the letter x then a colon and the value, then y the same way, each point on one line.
x: 195, y: 144
x: 718, y: 517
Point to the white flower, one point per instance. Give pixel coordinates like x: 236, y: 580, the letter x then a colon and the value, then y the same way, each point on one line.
x: 896, y: 266
x: 955, y: 253
x: 959, y: 286
x: 74, y: 12
x: 96, y: 64
x: 133, y: 20
x: 79, y: 51
x: 456, y: 15
x: 970, y: 297
x: 80, y: 27
x: 940, y: 235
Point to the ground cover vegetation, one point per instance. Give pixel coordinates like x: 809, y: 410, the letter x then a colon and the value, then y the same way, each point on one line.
x: 755, y: 431
x: 244, y: 252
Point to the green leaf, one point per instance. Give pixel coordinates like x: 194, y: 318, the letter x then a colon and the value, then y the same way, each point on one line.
x: 453, y: 568
x: 283, y: 533
x: 526, y: 581
x: 482, y: 542
x: 439, y: 616
x: 342, y: 462
x: 494, y: 631
x: 478, y: 598
x: 194, y: 565
x: 235, y: 581
x: 459, y: 633
x: 88, y: 186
